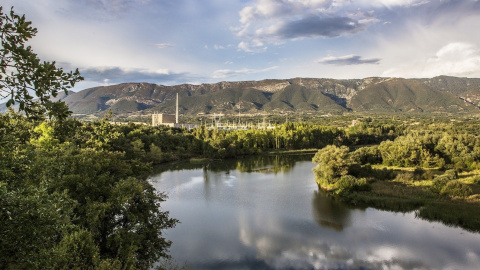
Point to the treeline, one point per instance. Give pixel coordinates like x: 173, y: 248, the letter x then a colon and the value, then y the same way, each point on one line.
x: 290, y: 136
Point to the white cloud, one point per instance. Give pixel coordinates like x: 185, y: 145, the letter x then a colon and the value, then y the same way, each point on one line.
x: 455, y: 59
x: 164, y: 45
x: 393, y: 3
x: 228, y: 73
x: 102, y: 8
x: 252, y: 47
x: 347, y: 60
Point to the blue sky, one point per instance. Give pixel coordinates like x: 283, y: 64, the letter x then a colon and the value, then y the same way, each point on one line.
x: 205, y: 41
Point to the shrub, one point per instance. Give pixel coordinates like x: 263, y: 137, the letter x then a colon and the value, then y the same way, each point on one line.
x: 476, y: 180
x: 366, y: 155
x: 428, y: 175
x: 456, y: 188
x: 418, y: 173
x: 333, y: 162
x: 384, y: 174
x: 460, y: 165
x: 452, y: 173
x: 405, y: 177
x: 349, y: 183
x: 439, y: 182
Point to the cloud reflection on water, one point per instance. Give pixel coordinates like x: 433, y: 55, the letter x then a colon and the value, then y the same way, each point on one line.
x: 258, y: 220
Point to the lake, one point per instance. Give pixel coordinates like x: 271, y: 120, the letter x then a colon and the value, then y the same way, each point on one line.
x: 267, y: 213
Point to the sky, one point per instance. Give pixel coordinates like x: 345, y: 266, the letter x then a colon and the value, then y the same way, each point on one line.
x: 173, y: 42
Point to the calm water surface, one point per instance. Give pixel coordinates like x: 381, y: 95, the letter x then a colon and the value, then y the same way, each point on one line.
x: 267, y: 213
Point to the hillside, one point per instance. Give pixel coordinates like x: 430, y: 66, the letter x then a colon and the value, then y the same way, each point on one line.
x: 437, y: 95
x: 466, y: 89
x: 401, y: 95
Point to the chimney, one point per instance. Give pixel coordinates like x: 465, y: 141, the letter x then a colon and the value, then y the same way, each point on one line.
x: 176, y: 112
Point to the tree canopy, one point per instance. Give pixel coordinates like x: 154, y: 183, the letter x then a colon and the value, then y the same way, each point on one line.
x: 24, y: 79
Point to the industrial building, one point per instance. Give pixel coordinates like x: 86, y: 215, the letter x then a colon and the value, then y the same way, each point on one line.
x: 170, y: 120
x: 163, y: 119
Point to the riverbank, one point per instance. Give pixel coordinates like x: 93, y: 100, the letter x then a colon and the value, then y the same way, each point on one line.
x: 456, y: 204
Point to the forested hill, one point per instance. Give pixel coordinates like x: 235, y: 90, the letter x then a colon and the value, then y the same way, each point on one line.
x: 438, y: 94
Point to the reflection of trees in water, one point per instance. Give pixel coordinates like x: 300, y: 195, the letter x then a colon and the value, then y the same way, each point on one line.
x: 330, y: 212
x: 271, y: 163
x: 267, y: 163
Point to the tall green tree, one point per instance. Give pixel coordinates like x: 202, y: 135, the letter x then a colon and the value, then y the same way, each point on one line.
x: 24, y: 77
x: 333, y: 162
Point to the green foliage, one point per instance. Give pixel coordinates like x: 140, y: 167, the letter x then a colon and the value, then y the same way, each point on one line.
x: 92, y: 200
x: 348, y: 183
x: 32, y: 222
x: 476, y: 180
x: 410, y: 151
x: 46, y: 137
x: 333, y: 162
x: 455, y: 188
x: 21, y: 72
x: 77, y: 251
x: 405, y: 177
x: 367, y: 155
x: 441, y: 181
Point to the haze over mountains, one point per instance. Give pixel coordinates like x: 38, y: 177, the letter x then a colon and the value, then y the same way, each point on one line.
x: 435, y: 95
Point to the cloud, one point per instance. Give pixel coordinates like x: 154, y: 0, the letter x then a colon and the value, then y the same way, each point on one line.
x: 347, y: 60
x: 316, y: 26
x: 228, y: 73
x: 120, y: 75
x: 111, y: 6
x: 391, y: 3
x: 455, y: 59
x: 164, y: 45
x: 276, y: 21
x: 252, y: 47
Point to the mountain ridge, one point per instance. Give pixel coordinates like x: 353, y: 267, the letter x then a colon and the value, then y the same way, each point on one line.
x: 373, y: 94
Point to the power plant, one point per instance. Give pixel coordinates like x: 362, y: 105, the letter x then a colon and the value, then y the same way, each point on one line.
x: 165, y: 119
x: 170, y: 120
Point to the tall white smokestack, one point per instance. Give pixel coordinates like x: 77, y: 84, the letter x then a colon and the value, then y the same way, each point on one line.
x: 176, y: 113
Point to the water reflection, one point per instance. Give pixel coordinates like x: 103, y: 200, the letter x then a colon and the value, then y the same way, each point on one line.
x: 242, y: 215
x: 267, y: 164
x: 330, y: 212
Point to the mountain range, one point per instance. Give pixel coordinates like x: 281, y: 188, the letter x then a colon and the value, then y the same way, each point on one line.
x: 441, y: 94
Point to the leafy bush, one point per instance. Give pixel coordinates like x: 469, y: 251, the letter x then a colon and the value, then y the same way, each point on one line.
x: 366, y: 155
x: 455, y: 188
x: 428, y: 175
x: 348, y: 183
x: 452, y: 173
x: 476, y: 180
x: 383, y: 174
x: 440, y: 181
x: 333, y: 162
x: 418, y: 173
x: 405, y: 177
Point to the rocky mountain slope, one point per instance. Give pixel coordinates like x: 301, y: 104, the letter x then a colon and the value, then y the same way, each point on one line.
x: 439, y: 94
